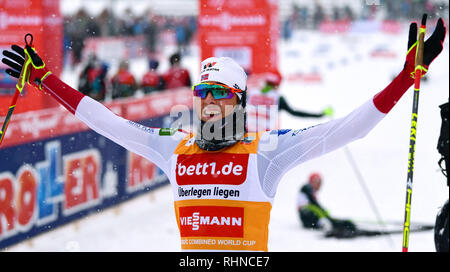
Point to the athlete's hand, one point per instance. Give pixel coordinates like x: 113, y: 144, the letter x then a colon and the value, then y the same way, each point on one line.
x: 34, y: 68
x: 432, y: 47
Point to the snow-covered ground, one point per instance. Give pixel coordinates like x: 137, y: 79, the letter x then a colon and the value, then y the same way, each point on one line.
x: 350, y: 77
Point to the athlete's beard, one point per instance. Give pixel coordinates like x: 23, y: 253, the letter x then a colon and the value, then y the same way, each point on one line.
x: 215, y: 135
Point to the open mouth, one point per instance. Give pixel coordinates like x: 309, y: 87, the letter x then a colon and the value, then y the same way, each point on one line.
x: 211, y: 111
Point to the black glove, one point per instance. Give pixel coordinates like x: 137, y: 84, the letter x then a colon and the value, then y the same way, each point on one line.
x: 432, y: 46
x: 35, y: 70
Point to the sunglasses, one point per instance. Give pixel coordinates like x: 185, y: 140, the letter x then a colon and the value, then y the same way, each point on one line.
x: 218, y: 91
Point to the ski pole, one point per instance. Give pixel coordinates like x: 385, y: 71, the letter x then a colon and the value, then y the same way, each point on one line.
x: 366, y: 191
x: 412, y: 138
x: 19, y: 87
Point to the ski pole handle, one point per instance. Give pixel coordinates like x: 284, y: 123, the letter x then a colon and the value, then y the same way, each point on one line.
x: 419, y: 54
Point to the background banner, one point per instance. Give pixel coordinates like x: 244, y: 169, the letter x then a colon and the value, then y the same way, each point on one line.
x: 42, y: 19
x: 246, y: 31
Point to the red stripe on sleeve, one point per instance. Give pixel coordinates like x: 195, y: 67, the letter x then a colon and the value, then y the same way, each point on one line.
x: 63, y: 93
x: 386, y: 99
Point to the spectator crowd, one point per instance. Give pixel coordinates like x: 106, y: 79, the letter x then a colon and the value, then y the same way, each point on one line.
x: 310, y: 16
x: 80, y: 26
x: 93, y: 80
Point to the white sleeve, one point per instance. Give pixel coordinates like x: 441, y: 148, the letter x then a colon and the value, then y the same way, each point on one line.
x: 137, y: 138
x: 281, y: 150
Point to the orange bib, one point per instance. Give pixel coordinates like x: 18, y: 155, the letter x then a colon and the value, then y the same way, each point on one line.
x: 219, y: 203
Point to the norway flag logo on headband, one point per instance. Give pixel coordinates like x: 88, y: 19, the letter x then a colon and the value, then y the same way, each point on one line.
x: 204, y: 77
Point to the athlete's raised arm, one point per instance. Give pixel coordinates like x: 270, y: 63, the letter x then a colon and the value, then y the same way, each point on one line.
x: 139, y: 139
x: 281, y: 150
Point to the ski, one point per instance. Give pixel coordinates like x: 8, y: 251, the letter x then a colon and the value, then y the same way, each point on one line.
x: 394, y: 223
x: 373, y: 233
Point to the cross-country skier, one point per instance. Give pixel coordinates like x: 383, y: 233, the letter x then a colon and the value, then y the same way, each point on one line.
x: 224, y: 179
x: 310, y: 212
x: 314, y: 216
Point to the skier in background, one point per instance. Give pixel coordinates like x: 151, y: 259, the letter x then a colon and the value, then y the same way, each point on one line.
x: 259, y: 118
x: 314, y: 216
x: 310, y: 212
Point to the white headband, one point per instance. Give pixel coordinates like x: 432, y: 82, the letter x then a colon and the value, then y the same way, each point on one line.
x: 224, y: 70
